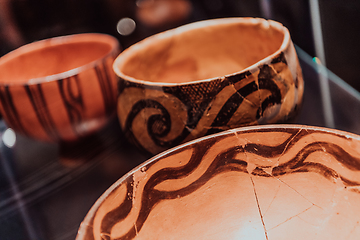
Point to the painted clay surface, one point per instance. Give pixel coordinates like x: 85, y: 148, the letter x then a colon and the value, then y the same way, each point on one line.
x: 59, y: 89
x: 269, y: 182
x: 207, y: 77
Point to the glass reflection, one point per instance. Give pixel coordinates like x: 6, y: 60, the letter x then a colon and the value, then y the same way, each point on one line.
x: 9, y: 138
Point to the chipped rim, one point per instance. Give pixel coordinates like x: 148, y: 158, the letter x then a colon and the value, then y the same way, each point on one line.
x: 119, y: 61
x: 89, y: 216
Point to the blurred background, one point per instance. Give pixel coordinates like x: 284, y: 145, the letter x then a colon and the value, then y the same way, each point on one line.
x: 24, y: 21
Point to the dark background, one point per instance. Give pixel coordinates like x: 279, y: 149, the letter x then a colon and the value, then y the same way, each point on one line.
x: 24, y: 21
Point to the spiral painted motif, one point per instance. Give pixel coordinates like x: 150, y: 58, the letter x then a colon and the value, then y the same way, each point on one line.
x: 156, y: 118
x: 185, y: 176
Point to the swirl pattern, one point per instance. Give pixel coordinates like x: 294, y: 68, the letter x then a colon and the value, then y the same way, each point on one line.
x: 263, y: 160
x: 270, y: 94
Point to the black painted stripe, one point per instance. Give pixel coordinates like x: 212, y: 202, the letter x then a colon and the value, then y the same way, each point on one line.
x: 280, y: 58
x: 111, y: 96
x: 266, y: 82
x: 10, y: 110
x: 119, y: 213
x: 37, y: 99
x: 151, y: 196
x: 163, y: 120
x: 73, y: 103
x: 105, y: 86
x: 298, y: 162
x: 232, y: 104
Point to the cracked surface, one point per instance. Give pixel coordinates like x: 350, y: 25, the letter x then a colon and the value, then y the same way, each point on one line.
x: 266, y: 183
x: 198, y: 53
x: 207, y: 77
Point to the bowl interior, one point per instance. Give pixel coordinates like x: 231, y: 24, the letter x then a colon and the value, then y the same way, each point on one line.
x: 271, y: 182
x: 50, y: 57
x: 197, y: 53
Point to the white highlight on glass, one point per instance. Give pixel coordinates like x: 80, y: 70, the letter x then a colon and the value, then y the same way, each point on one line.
x: 9, y: 138
x: 126, y: 26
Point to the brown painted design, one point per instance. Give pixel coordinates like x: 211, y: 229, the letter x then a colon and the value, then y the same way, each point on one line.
x: 168, y: 97
x: 59, y: 89
x: 71, y: 94
x: 7, y: 103
x: 40, y: 107
x: 284, y: 154
x: 198, y: 100
x: 107, y: 88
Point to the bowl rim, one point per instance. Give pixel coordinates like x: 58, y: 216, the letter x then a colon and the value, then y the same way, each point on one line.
x: 57, y: 41
x: 91, y: 213
x: 286, y: 42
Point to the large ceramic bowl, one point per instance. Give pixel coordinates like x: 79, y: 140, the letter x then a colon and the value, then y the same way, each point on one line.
x: 59, y: 89
x: 207, y: 77
x: 266, y: 183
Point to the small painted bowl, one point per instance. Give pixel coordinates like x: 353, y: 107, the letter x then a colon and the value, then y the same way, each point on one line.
x: 260, y: 182
x: 206, y: 77
x: 59, y: 89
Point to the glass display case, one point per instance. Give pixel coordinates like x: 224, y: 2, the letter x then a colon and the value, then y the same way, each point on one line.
x: 47, y: 189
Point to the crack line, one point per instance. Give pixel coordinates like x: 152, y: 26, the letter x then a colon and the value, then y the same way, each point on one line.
x: 278, y: 189
x: 136, y: 230
x: 297, y: 215
x: 258, y: 205
x: 297, y: 192
x: 287, y: 145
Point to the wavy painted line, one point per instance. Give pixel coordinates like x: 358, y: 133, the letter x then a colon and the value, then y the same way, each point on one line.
x: 226, y: 161
x: 119, y: 213
x: 298, y: 164
x: 71, y: 94
x: 151, y: 196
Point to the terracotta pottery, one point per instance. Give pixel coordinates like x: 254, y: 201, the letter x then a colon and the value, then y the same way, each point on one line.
x: 207, y: 77
x: 266, y: 183
x: 59, y: 89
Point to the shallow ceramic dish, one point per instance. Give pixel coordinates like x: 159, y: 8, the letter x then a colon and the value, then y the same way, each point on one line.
x: 59, y: 89
x: 206, y: 77
x: 267, y: 183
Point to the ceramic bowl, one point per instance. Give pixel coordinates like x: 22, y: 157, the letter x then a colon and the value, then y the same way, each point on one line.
x: 269, y: 182
x: 59, y: 89
x: 207, y: 77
